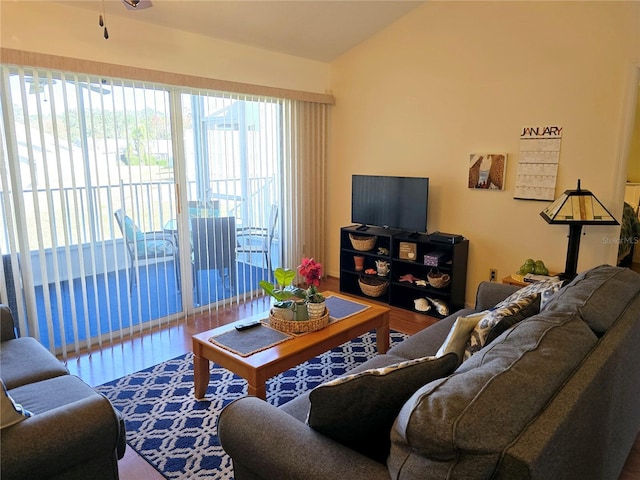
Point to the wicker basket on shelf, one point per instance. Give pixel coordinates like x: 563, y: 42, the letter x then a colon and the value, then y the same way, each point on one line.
x: 437, y: 279
x: 362, y: 243
x: 373, y: 286
x: 300, y: 326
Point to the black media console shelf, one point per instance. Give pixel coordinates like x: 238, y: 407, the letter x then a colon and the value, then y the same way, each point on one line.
x: 410, y: 257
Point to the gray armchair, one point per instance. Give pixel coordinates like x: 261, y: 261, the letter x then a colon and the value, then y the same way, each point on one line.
x: 74, y: 432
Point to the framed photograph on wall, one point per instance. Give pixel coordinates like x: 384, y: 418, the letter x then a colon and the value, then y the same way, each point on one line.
x: 487, y: 171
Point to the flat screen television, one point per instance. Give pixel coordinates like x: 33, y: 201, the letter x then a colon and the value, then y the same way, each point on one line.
x: 391, y: 202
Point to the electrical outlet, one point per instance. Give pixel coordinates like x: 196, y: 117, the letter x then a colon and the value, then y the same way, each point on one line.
x: 493, y: 274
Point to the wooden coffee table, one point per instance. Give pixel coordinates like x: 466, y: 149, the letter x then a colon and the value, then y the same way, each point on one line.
x: 260, y: 366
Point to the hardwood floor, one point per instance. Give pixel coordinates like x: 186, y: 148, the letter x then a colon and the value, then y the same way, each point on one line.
x: 151, y: 348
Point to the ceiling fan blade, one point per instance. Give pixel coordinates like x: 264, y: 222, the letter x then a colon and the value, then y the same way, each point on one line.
x: 137, y: 4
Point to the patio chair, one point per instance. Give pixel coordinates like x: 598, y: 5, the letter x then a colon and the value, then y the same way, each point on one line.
x: 146, y: 246
x: 259, y: 240
x: 214, y: 240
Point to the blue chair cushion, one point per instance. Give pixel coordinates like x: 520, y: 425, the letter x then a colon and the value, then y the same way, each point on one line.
x: 154, y: 248
x: 131, y: 231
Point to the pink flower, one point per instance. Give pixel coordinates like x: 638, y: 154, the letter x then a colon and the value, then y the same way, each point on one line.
x: 311, y: 271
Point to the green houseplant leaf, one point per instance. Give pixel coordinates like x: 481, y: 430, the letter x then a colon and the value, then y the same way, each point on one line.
x: 283, y: 290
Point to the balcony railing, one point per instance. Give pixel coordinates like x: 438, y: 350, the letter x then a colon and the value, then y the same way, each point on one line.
x: 82, y: 263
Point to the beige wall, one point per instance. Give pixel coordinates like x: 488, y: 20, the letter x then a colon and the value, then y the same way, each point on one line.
x: 633, y: 167
x: 449, y: 79
x: 454, y: 78
x: 52, y: 28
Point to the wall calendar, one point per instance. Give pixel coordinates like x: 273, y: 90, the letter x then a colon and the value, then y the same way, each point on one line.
x: 538, y: 163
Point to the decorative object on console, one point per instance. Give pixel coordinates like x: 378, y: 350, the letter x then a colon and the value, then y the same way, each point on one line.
x: 358, y: 262
x: 576, y: 208
x: 422, y: 305
x: 438, y: 279
x: 372, y: 286
x: 363, y: 243
x: 440, y: 305
x: 382, y: 268
x: 435, y: 258
x: 407, y: 251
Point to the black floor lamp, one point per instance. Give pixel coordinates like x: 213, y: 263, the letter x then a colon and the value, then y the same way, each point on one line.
x: 576, y: 208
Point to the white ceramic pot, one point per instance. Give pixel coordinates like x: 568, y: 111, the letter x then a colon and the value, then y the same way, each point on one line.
x: 316, y: 310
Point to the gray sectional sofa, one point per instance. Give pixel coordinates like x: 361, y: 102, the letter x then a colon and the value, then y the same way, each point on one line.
x: 73, y: 431
x: 555, y: 396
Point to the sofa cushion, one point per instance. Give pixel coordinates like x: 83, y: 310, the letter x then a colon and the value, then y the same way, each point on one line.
x: 546, y: 289
x: 509, y: 321
x: 459, y: 335
x: 10, y: 411
x: 358, y: 410
x: 427, y: 342
x: 298, y: 406
x: 519, y: 309
x: 458, y: 426
x: 590, y: 294
x: 24, y: 360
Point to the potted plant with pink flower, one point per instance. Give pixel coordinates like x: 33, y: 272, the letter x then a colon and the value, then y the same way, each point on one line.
x: 312, y: 272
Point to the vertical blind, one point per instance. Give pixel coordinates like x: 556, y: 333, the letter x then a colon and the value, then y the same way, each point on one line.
x: 104, y: 180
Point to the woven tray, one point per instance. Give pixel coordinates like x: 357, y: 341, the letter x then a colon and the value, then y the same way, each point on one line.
x: 301, y: 326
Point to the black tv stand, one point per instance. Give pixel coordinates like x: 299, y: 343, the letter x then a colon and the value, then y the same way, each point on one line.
x: 362, y: 228
x: 425, y: 255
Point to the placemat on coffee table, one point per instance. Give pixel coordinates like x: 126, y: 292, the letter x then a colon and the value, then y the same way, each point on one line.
x: 248, y: 342
x: 340, y: 308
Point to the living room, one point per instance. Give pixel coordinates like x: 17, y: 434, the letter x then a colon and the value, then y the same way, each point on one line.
x: 446, y: 80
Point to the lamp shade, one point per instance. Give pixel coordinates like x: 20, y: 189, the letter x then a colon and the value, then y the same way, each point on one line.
x: 576, y: 208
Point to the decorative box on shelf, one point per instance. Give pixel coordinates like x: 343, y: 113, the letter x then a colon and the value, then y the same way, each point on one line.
x: 435, y: 258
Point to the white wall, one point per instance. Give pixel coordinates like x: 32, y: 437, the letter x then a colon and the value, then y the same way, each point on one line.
x: 454, y: 78
x: 57, y: 29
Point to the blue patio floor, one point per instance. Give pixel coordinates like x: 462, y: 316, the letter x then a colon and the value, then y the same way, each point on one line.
x: 104, y: 304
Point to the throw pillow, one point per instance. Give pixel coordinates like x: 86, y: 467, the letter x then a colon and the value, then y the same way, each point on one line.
x: 459, y: 335
x: 509, y: 321
x: 10, y: 411
x: 358, y: 410
x: 478, y: 336
x: 546, y: 289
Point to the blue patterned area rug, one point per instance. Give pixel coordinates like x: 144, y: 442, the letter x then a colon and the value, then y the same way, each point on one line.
x: 177, y: 434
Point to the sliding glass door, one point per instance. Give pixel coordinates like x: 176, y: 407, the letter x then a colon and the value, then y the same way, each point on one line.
x: 128, y: 205
x: 232, y: 158
x: 87, y: 174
